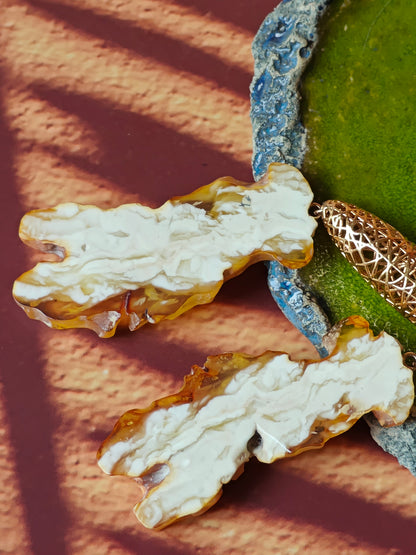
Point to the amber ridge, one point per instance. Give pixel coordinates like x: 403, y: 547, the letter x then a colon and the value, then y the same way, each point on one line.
x: 184, y: 447
x: 134, y: 265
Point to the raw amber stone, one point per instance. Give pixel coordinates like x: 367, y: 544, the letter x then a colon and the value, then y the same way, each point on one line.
x: 183, y: 448
x: 133, y: 264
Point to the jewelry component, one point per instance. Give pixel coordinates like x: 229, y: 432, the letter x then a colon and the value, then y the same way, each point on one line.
x: 379, y: 252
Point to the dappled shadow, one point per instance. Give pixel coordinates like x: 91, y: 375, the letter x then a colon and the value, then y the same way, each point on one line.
x: 31, y: 419
x: 128, y: 141
x: 248, y: 290
x: 137, y: 154
x: 175, y: 53
x: 240, y: 13
x: 151, y: 346
x: 135, y: 543
x: 298, y: 499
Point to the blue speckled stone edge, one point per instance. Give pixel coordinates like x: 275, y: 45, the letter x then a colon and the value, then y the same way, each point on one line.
x: 281, y: 50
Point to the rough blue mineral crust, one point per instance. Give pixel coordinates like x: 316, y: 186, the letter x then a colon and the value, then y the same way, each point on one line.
x: 281, y: 49
x: 399, y: 441
x: 298, y: 305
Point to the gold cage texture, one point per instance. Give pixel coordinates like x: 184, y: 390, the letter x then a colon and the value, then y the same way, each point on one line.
x: 381, y: 254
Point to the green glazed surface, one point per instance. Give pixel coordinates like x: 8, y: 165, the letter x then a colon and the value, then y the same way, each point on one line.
x: 359, y: 109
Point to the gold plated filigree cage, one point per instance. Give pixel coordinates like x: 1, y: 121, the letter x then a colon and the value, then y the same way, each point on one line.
x: 376, y: 250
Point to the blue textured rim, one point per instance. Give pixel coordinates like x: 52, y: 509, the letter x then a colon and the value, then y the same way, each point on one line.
x: 281, y: 50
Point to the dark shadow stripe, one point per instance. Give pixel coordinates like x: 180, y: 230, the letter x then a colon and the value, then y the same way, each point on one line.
x: 249, y: 291
x: 150, y: 347
x: 136, y: 544
x: 247, y: 14
x: 288, y: 496
x: 30, y: 417
x: 138, y: 154
x: 148, y: 43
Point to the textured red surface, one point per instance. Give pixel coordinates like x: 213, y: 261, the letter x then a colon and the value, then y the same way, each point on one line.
x: 104, y: 102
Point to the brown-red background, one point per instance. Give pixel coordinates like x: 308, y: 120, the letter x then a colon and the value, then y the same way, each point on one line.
x: 111, y: 101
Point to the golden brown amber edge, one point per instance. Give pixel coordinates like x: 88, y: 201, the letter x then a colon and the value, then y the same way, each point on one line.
x: 218, y: 370
x: 118, y: 311
x: 214, y: 376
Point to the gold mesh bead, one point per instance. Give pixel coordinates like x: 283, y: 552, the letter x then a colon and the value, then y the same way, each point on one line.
x: 377, y: 251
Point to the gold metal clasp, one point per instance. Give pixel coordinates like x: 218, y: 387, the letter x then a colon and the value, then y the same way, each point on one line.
x: 315, y: 210
x: 409, y: 360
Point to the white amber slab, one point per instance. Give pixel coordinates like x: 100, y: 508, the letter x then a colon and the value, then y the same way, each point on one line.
x: 185, y: 447
x: 134, y: 264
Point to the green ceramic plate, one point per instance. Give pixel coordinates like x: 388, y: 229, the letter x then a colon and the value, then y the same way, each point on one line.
x: 359, y: 109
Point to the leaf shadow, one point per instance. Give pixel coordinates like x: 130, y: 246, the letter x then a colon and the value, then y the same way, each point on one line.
x: 138, y: 154
x: 31, y: 417
x: 145, y: 42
